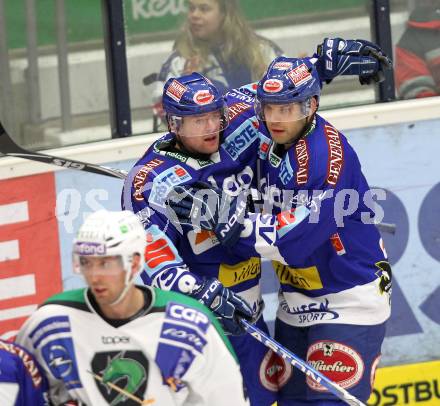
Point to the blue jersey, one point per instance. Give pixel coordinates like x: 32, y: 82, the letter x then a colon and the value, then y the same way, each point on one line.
x: 179, y: 259
x: 332, y: 266
x: 21, y: 382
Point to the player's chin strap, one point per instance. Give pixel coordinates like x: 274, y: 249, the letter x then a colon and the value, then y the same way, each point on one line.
x: 308, y: 128
x: 128, y: 283
x: 303, y: 366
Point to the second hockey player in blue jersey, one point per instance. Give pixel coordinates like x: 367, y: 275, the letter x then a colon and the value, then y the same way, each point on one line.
x: 334, y: 274
x: 220, y: 147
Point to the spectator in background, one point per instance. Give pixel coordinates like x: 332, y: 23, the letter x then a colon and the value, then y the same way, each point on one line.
x: 418, y: 53
x: 218, y: 42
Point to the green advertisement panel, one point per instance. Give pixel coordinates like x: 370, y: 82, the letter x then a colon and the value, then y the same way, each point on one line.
x: 84, y: 17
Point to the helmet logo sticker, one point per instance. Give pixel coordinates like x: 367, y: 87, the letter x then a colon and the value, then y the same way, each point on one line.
x: 300, y: 75
x: 176, y: 90
x: 203, y: 97
x: 283, y: 65
x: 89, y: 248
x: 273, y: 86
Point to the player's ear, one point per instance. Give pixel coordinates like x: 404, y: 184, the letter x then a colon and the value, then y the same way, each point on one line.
x: 314, y: 104
x: 135, y: 264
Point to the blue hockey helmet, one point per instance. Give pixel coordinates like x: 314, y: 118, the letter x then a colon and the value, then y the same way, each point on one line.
x: 288, y: 81
x: 192, y: 95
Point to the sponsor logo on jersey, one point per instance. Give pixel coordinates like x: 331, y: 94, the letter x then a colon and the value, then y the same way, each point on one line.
x: 176, y: 90
x: 177, y: 311
x: 336, y: 154
x: 158, y: 253
x: 336, y: 241
x: 273, y: 86
x: 274, y: 159
x: 264, y: 147
x: 286, y: 171
x: 300, y: 75
x: 59, y: 355
x: 177, y: 155
x: 247, y: 97
x: 274, y: 371
x: 240, y: 139
x: 115, y: 340
x: 202, y: 162
x: 302, y: 158
x: 231, y: 275
x: 236, y: 109
x: 202, y: 241
x: 164, y: 182
x: 202, y: 97
x: 173, y: 361
x: 301, y: 278
x: 282, y: 65
x: 26, y: 359
x: 311, y: 312
x: 289, y: 219
x: 133, y: 366
x: 183, y: 335
x: 89, y: 248
x: 141, y: 177
x: 337, y: 361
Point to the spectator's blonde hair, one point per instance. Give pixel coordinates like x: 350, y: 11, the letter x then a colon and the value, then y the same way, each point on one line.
x: 239, y: 43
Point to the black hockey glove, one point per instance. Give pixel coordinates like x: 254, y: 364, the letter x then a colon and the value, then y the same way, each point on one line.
x: 365, y: 59
x: 204, y: 207
x: 228, y: 307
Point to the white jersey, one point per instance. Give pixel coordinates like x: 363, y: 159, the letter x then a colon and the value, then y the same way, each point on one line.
x: 172, y: 352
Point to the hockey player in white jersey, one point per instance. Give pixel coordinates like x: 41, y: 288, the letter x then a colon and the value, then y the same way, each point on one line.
x: 118, y: 343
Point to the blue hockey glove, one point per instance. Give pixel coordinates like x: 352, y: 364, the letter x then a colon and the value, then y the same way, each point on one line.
x: 193, y: 205
x: 228, y: 307
x: 337, y: 56
x: 203, y: 206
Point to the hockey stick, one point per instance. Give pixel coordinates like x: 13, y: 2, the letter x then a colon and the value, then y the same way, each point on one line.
x: 298, y: 363
x: 10, y: 148
x: 122, y: 391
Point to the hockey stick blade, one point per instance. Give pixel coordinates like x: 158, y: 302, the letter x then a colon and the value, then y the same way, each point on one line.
x: 298, y: 363
x: 9, y: 148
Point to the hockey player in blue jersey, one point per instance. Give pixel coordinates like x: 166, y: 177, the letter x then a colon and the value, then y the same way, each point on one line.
x: 21, y: 380
x: 332, y: 266
x: 201, y: 147
x: 194, y: 262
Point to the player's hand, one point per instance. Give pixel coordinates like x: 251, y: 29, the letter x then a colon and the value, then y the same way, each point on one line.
x: 227, y: 306
x: 203, y: 206
x: 193, y: 205
x: 365, y: 59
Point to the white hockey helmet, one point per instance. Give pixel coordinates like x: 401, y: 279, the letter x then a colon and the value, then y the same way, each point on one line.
x: 111, y: 233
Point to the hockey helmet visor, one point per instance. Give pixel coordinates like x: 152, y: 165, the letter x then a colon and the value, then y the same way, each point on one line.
x: 194, y: 106
x: 286, y: 90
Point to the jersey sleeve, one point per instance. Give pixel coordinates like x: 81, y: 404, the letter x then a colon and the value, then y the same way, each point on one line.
x: 206, y: 363
x: 29, y: 337
x: 164, y: 268
x: 21, y: 380
x: 215, y: 378
x: 313, y: 213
